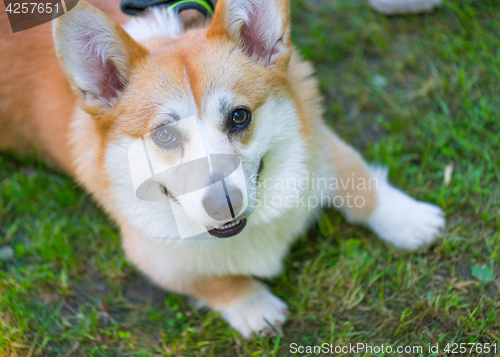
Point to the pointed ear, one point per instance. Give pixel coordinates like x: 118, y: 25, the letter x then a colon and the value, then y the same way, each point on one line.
x: 261, y: 27
x: 96, y: 56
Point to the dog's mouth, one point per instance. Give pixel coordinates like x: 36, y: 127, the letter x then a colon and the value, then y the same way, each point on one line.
x: 229, y: 229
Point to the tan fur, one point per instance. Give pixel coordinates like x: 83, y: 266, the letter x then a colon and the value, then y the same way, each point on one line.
x: 348, y: 164
x: 218, y: 291
x: 31, y: 119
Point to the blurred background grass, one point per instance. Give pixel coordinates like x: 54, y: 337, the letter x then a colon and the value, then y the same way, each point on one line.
x: 416, y: 93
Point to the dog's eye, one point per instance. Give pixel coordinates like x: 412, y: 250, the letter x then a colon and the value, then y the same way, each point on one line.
x: 240, y: 118
x: 164, y: 137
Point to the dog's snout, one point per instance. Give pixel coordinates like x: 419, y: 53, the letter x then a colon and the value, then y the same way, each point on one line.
x: 223, y: 207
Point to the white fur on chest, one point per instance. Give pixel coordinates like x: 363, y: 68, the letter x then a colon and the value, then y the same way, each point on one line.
x: 156, y: 22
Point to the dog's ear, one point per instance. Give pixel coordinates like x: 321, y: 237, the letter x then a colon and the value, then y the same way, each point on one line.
x: 261, y: 27
x: 96, y: 56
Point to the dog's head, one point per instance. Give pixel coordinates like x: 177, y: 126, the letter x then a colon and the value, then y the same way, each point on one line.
x: 198, y: 117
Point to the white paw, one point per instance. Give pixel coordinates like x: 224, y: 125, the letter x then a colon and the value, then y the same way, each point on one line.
x: 403, y: 221
x: 260, y: 313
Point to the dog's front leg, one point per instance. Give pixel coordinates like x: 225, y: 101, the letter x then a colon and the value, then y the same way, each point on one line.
x: 246, y: 303
x: 365, y: 196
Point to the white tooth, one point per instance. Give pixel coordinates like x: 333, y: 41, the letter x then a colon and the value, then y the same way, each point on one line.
x: 229, y: 225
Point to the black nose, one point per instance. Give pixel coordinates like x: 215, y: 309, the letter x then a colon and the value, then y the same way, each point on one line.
x: 224, y: 207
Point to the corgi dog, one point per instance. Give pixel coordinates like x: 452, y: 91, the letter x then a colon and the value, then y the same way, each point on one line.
x: 206, y: 145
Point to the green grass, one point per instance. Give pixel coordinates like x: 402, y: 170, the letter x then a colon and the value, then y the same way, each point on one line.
x: 416, y: 93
